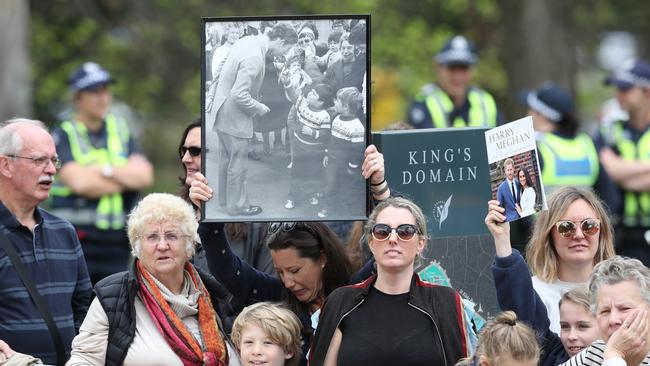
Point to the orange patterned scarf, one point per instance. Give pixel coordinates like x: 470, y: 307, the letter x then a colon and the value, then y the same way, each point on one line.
x: 173, y: 329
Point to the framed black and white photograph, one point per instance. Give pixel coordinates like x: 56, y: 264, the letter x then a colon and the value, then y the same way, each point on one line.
x: 285, y: 117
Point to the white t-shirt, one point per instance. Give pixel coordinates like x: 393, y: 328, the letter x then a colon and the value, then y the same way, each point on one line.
x: 551, y: 293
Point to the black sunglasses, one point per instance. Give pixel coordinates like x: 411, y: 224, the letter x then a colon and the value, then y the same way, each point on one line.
x: 276, y: 227
x: 405, y: 232
x: 194, y: 151
x: 568, y: 228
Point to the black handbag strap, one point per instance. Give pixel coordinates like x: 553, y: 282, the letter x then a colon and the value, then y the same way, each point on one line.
x: 38, y: 300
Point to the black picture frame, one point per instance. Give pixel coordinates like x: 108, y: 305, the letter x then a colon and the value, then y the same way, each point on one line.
x: 277, y: 147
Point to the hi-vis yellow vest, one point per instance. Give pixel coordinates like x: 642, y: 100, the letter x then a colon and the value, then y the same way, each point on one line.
x: 568, y: 162
x: 109, y: 213
x: 482, y: 112
x: 636, y: 206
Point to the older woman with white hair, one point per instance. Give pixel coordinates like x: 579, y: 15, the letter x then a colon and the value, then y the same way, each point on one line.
x: 161, y: 311
x: 620, y: 290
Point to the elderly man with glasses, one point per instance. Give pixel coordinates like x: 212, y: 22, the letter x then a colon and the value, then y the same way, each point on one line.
x: 45, y: 245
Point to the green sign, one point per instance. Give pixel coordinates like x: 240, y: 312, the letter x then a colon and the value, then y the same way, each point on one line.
x: 445, y: 171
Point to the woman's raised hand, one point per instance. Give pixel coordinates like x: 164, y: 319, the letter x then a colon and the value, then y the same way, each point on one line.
x: 499, y: 228
x: 373, y: 165
x: 373, y: 170
x: 200, y: 191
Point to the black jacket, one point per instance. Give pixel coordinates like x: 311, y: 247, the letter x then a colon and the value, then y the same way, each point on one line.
x: 117, y: 293
x: 442, y: 304
x: 249, y: 285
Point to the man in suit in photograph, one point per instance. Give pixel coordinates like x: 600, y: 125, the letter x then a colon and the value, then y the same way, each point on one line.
x: 236, y: 104
x: 508, y: 193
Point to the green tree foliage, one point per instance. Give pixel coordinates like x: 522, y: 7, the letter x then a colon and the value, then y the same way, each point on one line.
x: 153, y: 48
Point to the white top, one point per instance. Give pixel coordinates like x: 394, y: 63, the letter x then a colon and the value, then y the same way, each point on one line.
x: 527, y: 202
x: 593, y: 356
x: 551, y: 293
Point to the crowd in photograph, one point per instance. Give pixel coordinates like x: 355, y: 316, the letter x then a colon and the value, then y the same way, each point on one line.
x: 302, y: 86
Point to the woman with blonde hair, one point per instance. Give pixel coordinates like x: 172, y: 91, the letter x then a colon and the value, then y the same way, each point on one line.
x: 393, y: 318
x: 568, y: 240
x: 580, y: 235
x: 505, y: 341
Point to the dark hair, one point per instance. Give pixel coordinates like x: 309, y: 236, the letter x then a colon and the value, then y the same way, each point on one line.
x: 568, y: 125
x: 310, y: 240
x: 184, y: 190
x: 358, y: 34
x: 334, y: 37
x: 235, y: 230
x: 285, y: 32
x: 310, y: 24
x: 529, y: 181
x: 354, y: 246
x: 297, y: 56
x: 342, y: 22
x: 267, y: 24
x: 325, y: 94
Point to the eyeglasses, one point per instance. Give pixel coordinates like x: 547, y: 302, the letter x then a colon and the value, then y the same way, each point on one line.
x: 276, y: 227
x: 42, y: 161
x: 405, y: 232
x: 194, y: 151
x: 568, y: 228
x: 171, y: 237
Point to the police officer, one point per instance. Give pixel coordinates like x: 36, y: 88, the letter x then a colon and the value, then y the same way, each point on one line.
x: 452, y: 102
x: 102, y: 171
x: 567, y: 156
x: 626, y: 157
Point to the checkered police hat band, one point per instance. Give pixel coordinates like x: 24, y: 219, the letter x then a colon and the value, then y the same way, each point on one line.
x: 460, y: 56
x: 629, y: 77
x: 96, y: 77
x: 542, y: 108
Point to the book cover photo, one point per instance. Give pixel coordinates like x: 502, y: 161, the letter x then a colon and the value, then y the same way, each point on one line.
x: 515, y: 176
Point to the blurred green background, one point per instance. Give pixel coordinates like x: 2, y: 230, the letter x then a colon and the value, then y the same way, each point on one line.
x: 152, y: 47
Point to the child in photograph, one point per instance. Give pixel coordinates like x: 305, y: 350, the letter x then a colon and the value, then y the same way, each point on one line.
x: 310, y: 139
x: 333, y: 54
x: 269, y: 334
x: 293, y: 78
x: 344, y: 153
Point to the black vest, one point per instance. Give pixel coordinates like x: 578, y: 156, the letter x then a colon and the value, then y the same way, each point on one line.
x: 117, y: 293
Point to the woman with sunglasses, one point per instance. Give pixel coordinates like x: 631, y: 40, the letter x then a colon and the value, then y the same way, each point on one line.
x: 246, y: 239
x: 393, y: 318
x: 308, y: 257
x: 568, y: 240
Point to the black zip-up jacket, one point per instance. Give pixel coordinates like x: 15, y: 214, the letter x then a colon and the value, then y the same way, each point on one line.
x: 442, y: 304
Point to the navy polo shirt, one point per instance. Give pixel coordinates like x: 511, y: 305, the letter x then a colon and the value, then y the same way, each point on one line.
x: 53, y: 257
